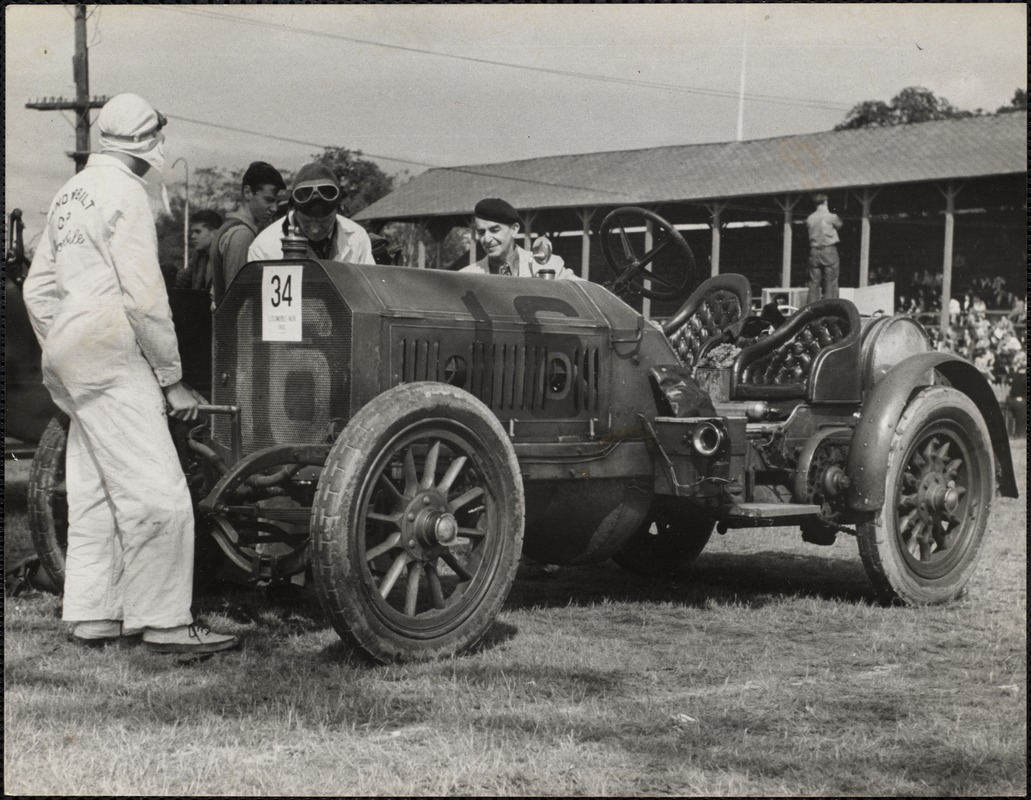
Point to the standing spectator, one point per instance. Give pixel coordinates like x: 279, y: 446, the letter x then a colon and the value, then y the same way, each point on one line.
x: 315, y: 200
x: 824, y: 265
x: 196, y: 275
x: 111, y: 362
x: 259, y: 197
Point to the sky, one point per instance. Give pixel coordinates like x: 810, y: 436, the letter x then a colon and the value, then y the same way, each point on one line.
x: 417, y: 86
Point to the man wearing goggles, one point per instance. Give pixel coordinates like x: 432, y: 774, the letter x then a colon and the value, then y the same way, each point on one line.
x: 315, y: 200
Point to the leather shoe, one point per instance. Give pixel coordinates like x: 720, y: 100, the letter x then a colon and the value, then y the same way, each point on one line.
x: 96, y: 633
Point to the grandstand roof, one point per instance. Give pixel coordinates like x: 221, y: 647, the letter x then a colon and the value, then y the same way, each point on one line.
x: 929, y: 151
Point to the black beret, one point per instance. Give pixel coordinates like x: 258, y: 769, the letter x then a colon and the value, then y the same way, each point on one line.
x: 495, y: 209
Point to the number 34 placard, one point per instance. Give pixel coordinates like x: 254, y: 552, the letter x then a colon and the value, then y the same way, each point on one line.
x: 281, y: 306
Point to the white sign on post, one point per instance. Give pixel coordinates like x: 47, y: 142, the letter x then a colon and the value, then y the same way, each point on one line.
x: 281, y: 303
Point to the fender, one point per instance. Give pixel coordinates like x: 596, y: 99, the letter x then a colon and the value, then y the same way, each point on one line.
x: 884, y: 406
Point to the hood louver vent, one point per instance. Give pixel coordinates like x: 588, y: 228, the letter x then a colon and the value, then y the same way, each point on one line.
x: 508, y: 378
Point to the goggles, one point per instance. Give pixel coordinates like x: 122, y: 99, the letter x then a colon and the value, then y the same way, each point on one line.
x: 329, y: 192
x: 139, y: 137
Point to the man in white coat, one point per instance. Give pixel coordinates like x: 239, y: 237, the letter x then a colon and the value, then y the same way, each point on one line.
x: 497, y: 226
x: 315, y: 200
x: 99, y: 307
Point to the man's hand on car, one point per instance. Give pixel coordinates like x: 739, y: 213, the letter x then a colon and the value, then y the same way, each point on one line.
x: 181, y: 402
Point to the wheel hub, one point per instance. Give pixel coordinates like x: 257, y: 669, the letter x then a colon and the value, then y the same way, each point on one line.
x: 945, y: 499
x: 936, y: 498
x: 428, y: 523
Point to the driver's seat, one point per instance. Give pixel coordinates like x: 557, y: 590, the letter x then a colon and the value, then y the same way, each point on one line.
x: 715, y: 305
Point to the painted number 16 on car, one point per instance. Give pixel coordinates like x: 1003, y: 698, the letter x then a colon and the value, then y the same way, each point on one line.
x: 281, y: 303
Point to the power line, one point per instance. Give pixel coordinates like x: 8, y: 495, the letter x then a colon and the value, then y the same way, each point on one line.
x: 463, y: 170
x: 621, y: 196
x: 773, y: 99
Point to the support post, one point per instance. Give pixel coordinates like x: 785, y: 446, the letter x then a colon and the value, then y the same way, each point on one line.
x: 585, y: 215
x: 420, y: 245
x: 715, y: 210
x: 950, y: 192
x: 528, y: 218
x: 787, y: 206
x: 80, y: 70
x: 785, y: 266
x: 866, y: 198
x: 186, y: 213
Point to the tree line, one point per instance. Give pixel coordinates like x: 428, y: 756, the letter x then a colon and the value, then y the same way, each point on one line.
x: 917, y: 104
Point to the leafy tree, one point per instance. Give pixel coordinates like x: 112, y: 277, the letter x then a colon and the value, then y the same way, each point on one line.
x: 215, y: 188
x: 1018, y: 103
x: 868, y: 114
x: 912, y: 104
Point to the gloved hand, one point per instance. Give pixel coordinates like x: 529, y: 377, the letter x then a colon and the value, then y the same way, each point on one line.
x: 182, y: 279
x: 181, y: 402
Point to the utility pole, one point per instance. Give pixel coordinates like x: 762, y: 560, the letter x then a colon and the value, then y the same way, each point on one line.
x: 741, y: 91
x: 82, y: 103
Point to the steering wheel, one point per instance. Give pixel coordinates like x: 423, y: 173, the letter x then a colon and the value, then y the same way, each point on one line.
x: 632, y: 270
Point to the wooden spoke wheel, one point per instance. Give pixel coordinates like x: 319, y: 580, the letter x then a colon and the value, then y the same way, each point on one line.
x: 923, y: 546
x: 417, y: 524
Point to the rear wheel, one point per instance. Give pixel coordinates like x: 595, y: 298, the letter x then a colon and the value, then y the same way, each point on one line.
x: 48, y: 505
x: 48, y: 499
x: 672, y: 535
x: 417, y: 526
x: 923, y: 546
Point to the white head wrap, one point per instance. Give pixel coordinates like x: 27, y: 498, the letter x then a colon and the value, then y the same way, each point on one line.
x: 129, y: 124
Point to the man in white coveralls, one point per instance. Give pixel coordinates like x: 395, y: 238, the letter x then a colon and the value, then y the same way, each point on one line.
x: 100, y: 310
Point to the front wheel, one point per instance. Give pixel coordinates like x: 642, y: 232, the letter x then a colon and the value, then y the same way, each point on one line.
x: 671, y: 536
x: 922, y: 547
x: 417, y: 525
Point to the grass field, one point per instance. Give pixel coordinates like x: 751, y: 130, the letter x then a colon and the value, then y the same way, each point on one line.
x: 764, y: 669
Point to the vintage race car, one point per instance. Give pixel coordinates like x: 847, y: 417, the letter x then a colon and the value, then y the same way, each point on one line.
x: 408, y: 434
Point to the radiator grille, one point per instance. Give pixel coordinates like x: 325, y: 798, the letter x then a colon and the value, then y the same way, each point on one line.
x: 288, y: 392
x: 509, y: 377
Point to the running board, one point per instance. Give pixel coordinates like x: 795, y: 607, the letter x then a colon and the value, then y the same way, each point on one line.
x: 766, y: 515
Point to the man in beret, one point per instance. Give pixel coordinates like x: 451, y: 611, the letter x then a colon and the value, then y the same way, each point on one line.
x: 497, y: 226
x: 315, y: 200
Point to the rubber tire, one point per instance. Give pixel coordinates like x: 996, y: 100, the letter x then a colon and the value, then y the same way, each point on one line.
x: 880, y: 547
x: 48, y: 514
x: 345, y: 585
x: 676, y: 541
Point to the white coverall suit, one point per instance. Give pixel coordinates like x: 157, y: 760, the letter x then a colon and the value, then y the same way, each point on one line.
x: 99, y: 308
